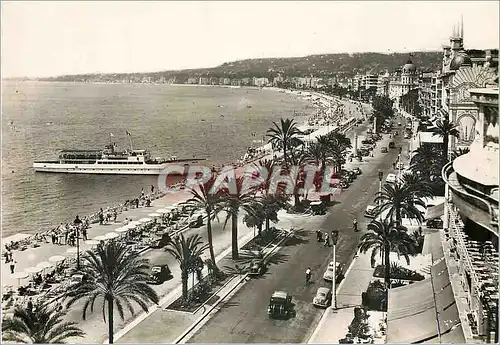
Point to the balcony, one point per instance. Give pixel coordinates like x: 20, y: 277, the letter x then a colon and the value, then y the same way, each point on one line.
x: 476, y: 205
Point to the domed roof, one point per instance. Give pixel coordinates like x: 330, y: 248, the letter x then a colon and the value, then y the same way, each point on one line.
x: 409, y: 67
x: 461, y: 59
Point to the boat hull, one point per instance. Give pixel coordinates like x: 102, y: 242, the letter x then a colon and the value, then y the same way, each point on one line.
x: 119, y: 169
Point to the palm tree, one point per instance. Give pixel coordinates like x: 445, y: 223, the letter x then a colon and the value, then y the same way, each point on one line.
x: 445, y: 129
x: 341, y: 140
x: 116, y: 274
x: 382, y: 238
x: 318, y: 154
x: 241, y: 198
x: 207, y: 200
x: 41, y: 325
x: 459, y: 152
x: 427, y: 162
x: 399, y: 199
x: 187, y: 253
x: 282, y: 135
x: 418, y: 184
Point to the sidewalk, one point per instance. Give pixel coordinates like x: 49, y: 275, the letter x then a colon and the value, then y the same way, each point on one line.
x: 333, y: 326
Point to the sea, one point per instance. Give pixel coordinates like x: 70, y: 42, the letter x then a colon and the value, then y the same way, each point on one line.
x: 41, y: 118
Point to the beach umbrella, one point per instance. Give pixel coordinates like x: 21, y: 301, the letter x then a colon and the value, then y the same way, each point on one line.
x: 135, y: 223
x: 111, y: 235
x: 20, y: 275
x: 72, y: 250
x: 34, y: 269
x: 145, y: 220
x: 45, y: 264
x: 162, y: 210
x: 57, y: 258
x: 122, y: 230
x: 101, y: 238
x: 129, y: 226
x: 92, y: 242
x: 154, y: 215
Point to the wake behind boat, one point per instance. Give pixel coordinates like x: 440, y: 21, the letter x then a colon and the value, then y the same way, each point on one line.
x: 109, y: 161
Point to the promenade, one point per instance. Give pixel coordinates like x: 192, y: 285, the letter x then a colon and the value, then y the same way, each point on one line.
x: 94, y: 326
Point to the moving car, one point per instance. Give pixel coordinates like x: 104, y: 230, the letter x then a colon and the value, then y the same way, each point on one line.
x: 391, y: 178
x: 323, y: 297
x: 383, y: 149
x: 392, y: 145
x: 280, y: 304
x: 357, y: 171
x: 369, y: 211
x: 257, y: 267
x: 328, y: 275
x: 159, y: 274
x: 407, y: 136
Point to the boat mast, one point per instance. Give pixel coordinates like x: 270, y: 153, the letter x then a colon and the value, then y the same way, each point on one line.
x: 130, y: 138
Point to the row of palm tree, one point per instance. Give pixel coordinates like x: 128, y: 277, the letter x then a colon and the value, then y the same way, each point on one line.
x: 386, y: 233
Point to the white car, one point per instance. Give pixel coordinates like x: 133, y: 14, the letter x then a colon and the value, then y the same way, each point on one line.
x: 400, y: 165
x: 391, y: 178
x: 369, y: 211
x: 323, y: 297
x: 328, y: 275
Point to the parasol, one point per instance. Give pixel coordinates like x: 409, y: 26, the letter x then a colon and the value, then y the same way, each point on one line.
x: 100, y: 238
x: 34, y: 269
x: 111, y: 235
x: 122, y: 230
x: 45, y: 264
x: 145, y: 220
x: 72, y: 250
x: 154, y: 215
x: 57, y: 258
x: 92, y: 242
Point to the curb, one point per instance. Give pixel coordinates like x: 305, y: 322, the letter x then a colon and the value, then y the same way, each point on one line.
x: 205, y: 317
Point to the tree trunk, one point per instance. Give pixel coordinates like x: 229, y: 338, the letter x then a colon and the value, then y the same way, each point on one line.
x: 387, y: 264
x: 296, y: 201
x: 110, y: 320
x: 259, y: 227
x: 267, y: 224
x: 284, y: 153
x: 184, y: 279
x: 398, y: 215
x: 234, y: 236
x: 210, y: 242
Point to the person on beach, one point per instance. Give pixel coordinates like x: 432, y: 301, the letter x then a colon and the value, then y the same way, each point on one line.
x: 142, y: 192
x: 78, y: 222
x: 29, y: 305
x: 319, y: 235
x: 115, y: 214
x: 12, y: 266
x: 327, y: 240
x: 152, y: 189
x: 84, y: 234
x: 101, y: 216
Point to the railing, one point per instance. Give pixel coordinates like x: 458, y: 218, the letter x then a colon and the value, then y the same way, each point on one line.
x: 483, y: 202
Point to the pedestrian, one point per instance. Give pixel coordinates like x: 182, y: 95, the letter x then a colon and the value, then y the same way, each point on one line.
x: 53, y: 237
x: 77, y: 221
x: 115, y: 214
x: 6, y: 257
x: 66, y: 234
x: 84, y: 234
x: 142, y: 192
x: 319, y: 235
x: 29, y: 305
x: 10, y: 255
x: 137, y: 203
x: 394, y: 165
x: 12, y: 266
x: 152, y: 189
x: 327, y: 240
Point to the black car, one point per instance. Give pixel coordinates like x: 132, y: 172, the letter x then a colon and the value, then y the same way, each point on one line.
x: 280, y: 304
x: 159, y: 274
x: 257, y: 267
x: 357, y: 171
x: 392, y: 145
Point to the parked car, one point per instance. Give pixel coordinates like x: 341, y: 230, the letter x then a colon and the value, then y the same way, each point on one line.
x: 280, y: 304
x: 159, y: 274
x: 323, y: 297
x: 436, y: 223
x: 383, y: 149
x: 392, y: 145
x: 399, y: 165
x: 257, y: 267
x: 369, y: 211
x: 328, y: 275
x: 407, y: 136
x: 391, y: 178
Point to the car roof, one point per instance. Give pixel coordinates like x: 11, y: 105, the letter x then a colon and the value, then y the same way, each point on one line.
x: 370, y: 207
x: 323, y: 290
x: 280, y: 294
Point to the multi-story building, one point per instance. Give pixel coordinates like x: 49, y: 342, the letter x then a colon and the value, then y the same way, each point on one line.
x: 430, y: 93
x: 370, y: 81
x: 403, y: 81
x: 260, y: 82
x: 383, y: 84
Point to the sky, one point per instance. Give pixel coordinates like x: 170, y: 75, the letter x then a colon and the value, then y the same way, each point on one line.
x: 55, y: 38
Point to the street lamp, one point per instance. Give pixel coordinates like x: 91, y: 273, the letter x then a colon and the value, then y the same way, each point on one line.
x: 335, y: 236
x: 380, y: 178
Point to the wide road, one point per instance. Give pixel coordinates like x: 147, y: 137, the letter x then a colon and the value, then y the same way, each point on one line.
x: 244, y: 317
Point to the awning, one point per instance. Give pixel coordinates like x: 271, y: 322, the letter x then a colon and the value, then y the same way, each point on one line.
x: 449, y: 318
x: 409, y: 300
x: 412, y: 329
x: 432, y: 245
x: 444, y: 299
x: 434, y: 211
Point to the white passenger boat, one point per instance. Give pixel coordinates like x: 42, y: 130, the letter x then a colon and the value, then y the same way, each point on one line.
x: 110, y: 161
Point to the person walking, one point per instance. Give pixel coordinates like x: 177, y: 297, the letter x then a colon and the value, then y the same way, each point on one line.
x: 308, y: 275
x: 84, y: 234
x: 12, y: 266
x: 101, y: 216
x: 319, y: 235
x: 142, y: 192
x: 327, y: 240
x: 152, y: 189
x: 29, y: 305
x: 115, y: 214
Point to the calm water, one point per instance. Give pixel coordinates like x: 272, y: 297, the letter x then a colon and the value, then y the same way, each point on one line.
x: 39, y: 119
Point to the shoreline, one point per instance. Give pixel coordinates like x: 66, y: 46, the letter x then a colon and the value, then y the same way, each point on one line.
x: 320, y: 110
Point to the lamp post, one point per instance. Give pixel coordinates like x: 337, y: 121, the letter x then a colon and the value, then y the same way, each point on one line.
x: 78, y: 246
x: 380, y: 178
x: 335, y: 236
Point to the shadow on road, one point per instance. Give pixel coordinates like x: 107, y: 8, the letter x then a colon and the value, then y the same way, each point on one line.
x: 299, y: 236
x: 229, y: 304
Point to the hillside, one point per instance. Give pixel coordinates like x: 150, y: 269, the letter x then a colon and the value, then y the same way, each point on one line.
x: 325, y: 65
